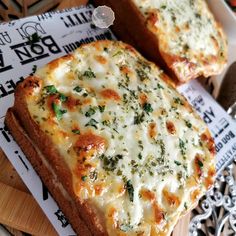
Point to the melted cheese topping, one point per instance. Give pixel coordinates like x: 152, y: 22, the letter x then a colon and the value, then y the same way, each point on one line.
x: 134, y: 146
x: 190, y: 40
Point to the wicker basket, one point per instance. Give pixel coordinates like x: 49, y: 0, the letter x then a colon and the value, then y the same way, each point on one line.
x: 15, y: 9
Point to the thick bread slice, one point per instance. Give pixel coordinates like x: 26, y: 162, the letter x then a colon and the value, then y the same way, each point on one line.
x: 47, y: 174
x: 180, y: 36
x: 121, y: 151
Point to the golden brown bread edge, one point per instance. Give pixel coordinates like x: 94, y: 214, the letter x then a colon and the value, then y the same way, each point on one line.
x: 130, y: 27
x: 84, y: 218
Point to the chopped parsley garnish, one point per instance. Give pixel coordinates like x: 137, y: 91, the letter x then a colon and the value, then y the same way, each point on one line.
x: 117, y: 53
x: 91, y: 111
x: 34, y: 38
x: 77, y: 89
x: 185, y: 206
x: 62, y: 97
x: 75, y: 131
x: 197, y: 15
x: 89, y: 73
x: 200, y: 164
x: 50, y: 89
x: 182, y: 147
x: 141, y: 74
x: 125, y: 227
x: 139, y: 118
x: 177, y: 100
x: 92, y: 123
x: 177, y: 163
x: 162, y: 146
x: 106, y: 123
x: 58, y: 112
x: 188, y: 124
x: 93, y: 175
x: 110, y: 162
x: 186, y: 47
x: 147, y: 107
x: 101, y: 108
x: 140, y: 156
x: 130, y: 190
x: 84, y: 177
x: 160, y: 86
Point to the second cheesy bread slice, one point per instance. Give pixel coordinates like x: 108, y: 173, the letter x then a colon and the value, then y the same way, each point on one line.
x: 125, y: 150
x: 180, y: 35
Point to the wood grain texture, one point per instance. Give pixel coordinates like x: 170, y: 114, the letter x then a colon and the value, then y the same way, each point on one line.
x: 16, y: 9
x: 181, y: 229
x: 18, y: 208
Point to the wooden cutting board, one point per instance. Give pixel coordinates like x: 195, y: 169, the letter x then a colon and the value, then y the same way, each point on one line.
x: 19, y: 210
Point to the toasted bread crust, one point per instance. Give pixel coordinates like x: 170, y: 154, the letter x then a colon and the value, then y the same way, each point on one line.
x: 132, y: 27
x: 129, y: 26
x: 16, y: 121
x: 68, y: 207
x: 43, y: 152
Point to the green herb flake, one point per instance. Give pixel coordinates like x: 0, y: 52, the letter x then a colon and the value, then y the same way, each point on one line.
x: 141, y: 74
x: 119, y: 172
x: 77, y: 89
x: 139, y: 118
x: 62, y: 97
x: 140, y: 156
x: 160, y: 86
x: 92, y: 123
x: 200, y: 164
x: 126, y: 227
x: 188, y: 124
x: 75, y: 131
x: 185, y: 206
x: 182, y: 147
x: 93, y: 175
x: 101, y: 108
x: 197, y: 15
x: 117, y: 53
x: 147, y: 107
x: 110, y: 162
x: 58, y: 112
x: 130, y: 190
x: 186, y: 47
x: 106, y: 123
x: 34, y: 38
x: 84, y: 177
x: 177, y: 163
x: 89, y: 73
x: 177, y: 100
x: 50, y: 89
x: 91, y: 111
